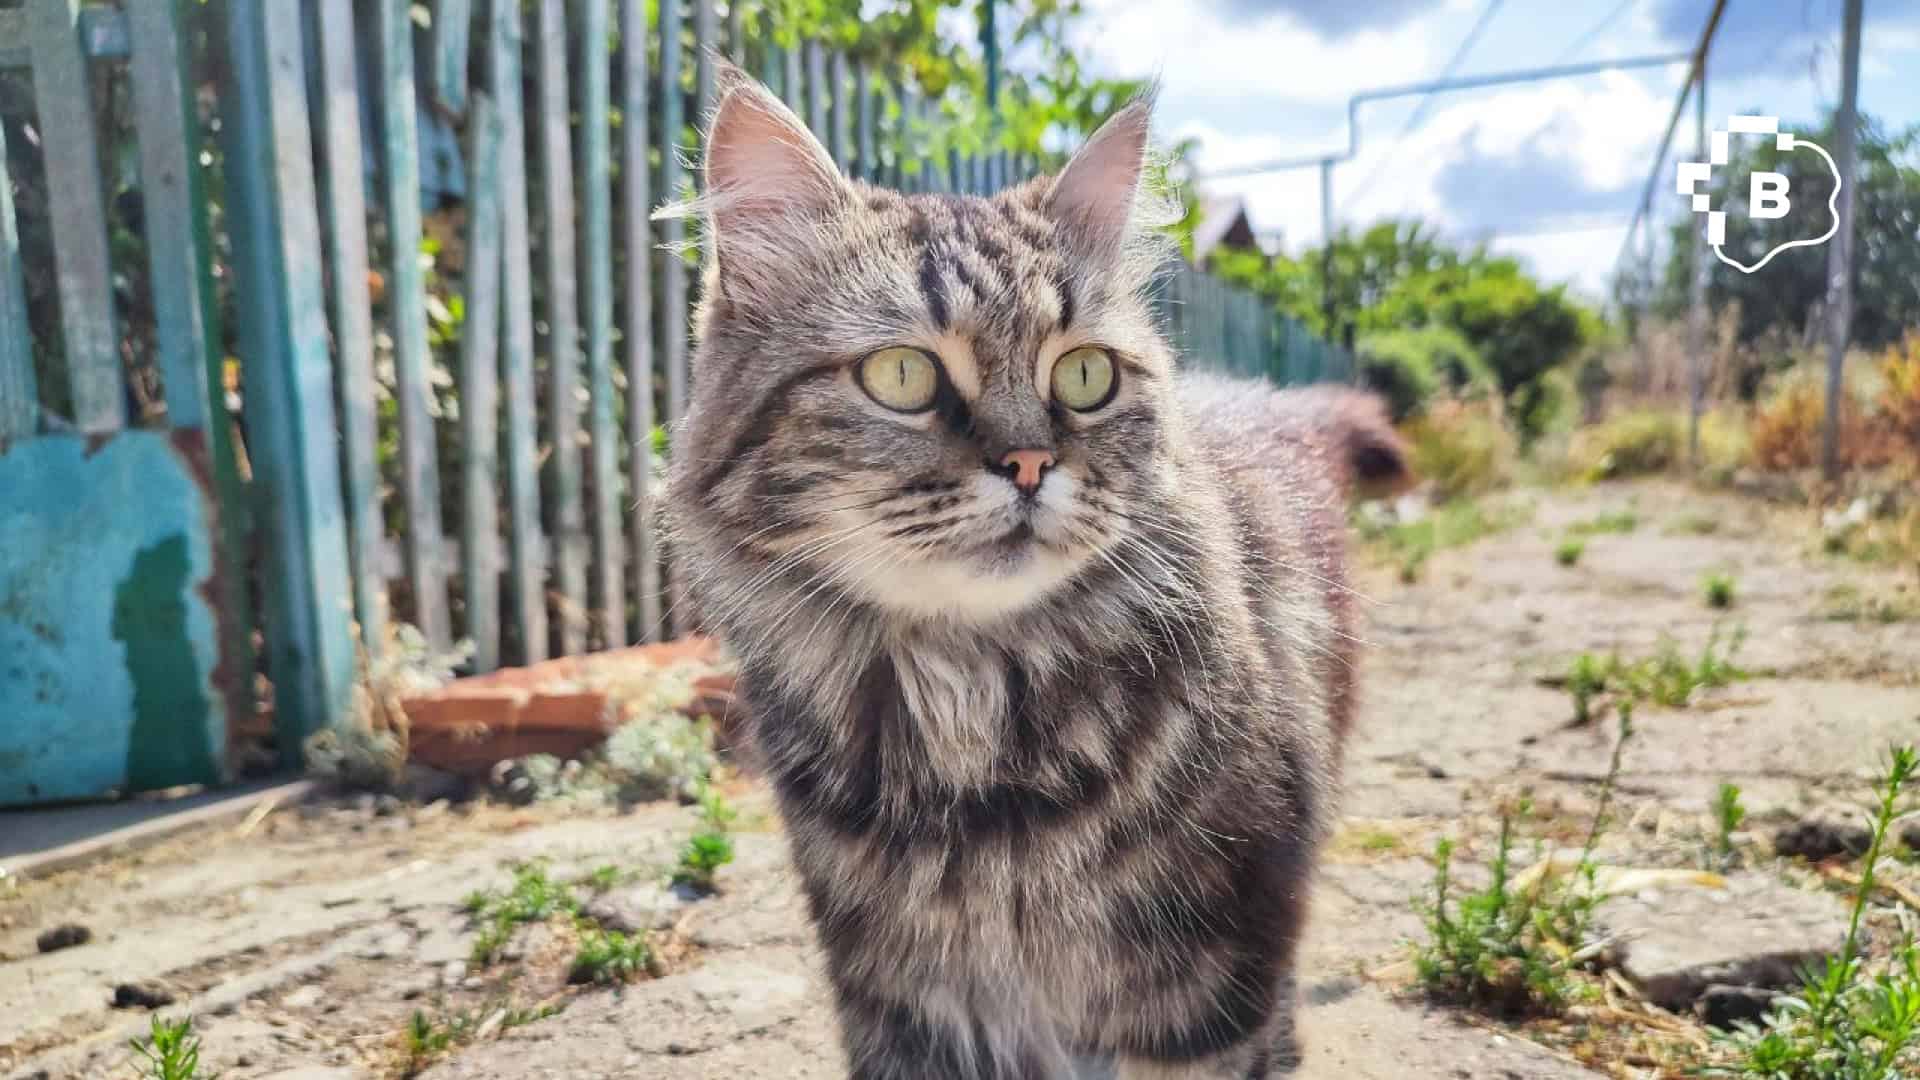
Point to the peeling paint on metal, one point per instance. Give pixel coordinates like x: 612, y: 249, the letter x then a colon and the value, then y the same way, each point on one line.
x: 107, y: 641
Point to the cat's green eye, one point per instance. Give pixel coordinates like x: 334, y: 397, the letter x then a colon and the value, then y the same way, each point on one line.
x: 904, y: 380
x: 1084, y: 379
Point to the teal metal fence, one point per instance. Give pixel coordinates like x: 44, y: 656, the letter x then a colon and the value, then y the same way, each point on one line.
x: 453, y: 329
x: 1216, y: 326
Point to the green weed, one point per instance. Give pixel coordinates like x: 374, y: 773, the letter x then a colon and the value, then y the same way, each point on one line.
x: 171, y: 1051
x: 1844, y: 1024
x: 608, y: 956
x: 426, y: 1037
x: 702, y: 857
x: 1666, y: 678
x: 1614, y: 521
x: 533, y: 897
x: 1569, y: 552
x: 1506, y: 948
x: 1719, y: 591
x: 1849, y: 603
x: 1728, y: 816
x: 1449, y: 525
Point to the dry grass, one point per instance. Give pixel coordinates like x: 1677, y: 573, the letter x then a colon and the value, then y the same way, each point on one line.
x: 1461, y: 448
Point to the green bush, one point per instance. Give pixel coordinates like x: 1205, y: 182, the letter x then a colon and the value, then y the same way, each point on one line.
x: 1409, y: 367
x: 1460, y: 448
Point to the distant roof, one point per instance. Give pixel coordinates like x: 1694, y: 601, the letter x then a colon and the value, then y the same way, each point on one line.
x: 1220, y: 215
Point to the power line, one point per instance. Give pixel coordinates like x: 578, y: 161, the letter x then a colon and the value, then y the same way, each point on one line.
x: 1469, y: 82
x: 1601, y: 27
x: 1696, y: 72
x: 1420, y: 111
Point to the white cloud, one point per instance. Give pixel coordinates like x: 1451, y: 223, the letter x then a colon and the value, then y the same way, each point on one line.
x: 1201, y: 50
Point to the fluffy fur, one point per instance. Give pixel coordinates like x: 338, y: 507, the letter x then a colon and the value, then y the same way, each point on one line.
x: 1054, y: 768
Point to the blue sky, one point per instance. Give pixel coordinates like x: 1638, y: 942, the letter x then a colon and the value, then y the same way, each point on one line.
x: 1546, y: 171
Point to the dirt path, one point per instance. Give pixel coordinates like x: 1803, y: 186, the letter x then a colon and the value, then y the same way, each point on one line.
x: 311, y: 941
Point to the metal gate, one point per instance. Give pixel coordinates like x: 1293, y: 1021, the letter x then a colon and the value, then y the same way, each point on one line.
x: 121, y: 641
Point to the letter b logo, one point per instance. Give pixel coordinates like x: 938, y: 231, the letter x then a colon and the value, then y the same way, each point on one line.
x: 1767, y: 196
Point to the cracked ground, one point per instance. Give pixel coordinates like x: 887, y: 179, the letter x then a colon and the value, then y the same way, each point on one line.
x: 310, y: 939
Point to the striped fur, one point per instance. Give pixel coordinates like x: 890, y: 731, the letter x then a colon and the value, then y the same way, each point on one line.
x: 1054, y: 770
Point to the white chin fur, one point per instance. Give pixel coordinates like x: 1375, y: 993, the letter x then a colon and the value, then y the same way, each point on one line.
x: 971, y: 588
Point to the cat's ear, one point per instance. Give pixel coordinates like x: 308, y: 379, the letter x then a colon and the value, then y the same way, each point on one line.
x: 768, y: 180
x: 1094, y: 196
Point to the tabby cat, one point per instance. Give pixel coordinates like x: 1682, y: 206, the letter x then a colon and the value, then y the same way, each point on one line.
x: 1045, y: 645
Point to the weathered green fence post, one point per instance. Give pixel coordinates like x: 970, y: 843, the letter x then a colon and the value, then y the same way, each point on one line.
x: 637, y: 196
x: 283, y: 344
x: 596, y: 228
x: 567, y: 534
x: 413, y: 374
x: 526, y: 553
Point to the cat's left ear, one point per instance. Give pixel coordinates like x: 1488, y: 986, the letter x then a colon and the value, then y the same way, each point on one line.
x: 1094, y: 196
x: 768, y: 180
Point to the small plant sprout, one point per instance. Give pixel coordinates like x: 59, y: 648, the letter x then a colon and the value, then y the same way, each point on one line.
x: 703, y: 856
x: 171, y: 1051
x: 608, y: 956
x: 1512, y: 948
x: 1728, y: 816
x: 1569, y: 552
x: 1585, y: 681
x: 1847, y: 1022
x: 1719, y: 590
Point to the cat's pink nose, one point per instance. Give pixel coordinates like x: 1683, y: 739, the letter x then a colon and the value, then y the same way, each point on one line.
x: 1026, y: 468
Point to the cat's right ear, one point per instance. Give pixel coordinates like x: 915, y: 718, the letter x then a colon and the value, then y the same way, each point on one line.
x: 769, y: 182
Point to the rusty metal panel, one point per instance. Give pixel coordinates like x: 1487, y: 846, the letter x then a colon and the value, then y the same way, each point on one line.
x: 111, y: 677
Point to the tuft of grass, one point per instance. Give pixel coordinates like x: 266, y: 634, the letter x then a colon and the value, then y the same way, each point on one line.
x: 1613, y: 521
x: 532, y: 897
x: 427, y: 1037
x: 1506, y: 949
x: 705, y: 853
x: 1847, y: 1023
x: 1460, y: 448
x: 1666, y: 678
x: 1694, y: 525
x: 1728, y: 815
x: 1569, y: 552
x: 170, y: 1051
x: 1849, y: 603
x: 1719, y: 591
x: 1449, y: 525
x: 608, y: 956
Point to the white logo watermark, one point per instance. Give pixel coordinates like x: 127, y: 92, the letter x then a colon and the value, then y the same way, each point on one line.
x: 1768, y: 197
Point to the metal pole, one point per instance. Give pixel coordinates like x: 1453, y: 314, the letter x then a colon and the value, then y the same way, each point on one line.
x: 1840, y: 254
x: 1326, y: 250
x: 990, y: 47
x: 1699, y: 266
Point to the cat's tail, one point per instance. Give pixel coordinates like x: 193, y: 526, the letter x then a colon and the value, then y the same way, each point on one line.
x: 1350, y: 430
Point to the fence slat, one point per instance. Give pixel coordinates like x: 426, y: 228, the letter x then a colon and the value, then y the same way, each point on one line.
x: 634, y: 173
x: 19, y: 392
x: 705, y: 40
x: 673, y: 270
x: 283, y: 340
x: 452, y: 26
x: 736, y: 32
x: 527, y: 567
x: 867, y: 167
x: 772, y: 60
x: 596, y: 227
x: 792, y: 83
x: 407, y: 292
x: 63, y: 98
x: 562, y: 266
x: 838, y: 113
x: 479, y: 393
x: 345, y: 217
x: 817, y: 92
x: 175, y: 213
